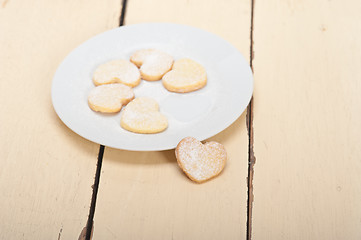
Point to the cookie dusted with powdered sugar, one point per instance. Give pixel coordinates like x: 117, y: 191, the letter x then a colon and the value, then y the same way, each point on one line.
x: 153, y: 63
x: 142, y: 116
x: 185, y: 76
x: 109, y: 98
x: 200, y: 162
x: 117, y: 71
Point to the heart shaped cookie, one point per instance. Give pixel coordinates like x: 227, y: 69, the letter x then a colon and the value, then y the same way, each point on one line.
x: 142, y: 116
x: 198, y: 161
x: 153, y: 63
x: 109, y: 98
x: 185, y: 76
x: 117, y: 71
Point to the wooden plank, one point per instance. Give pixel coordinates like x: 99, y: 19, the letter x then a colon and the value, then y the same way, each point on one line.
x: 144, y: 195
x: 307, y: 101
x: 46, y: 170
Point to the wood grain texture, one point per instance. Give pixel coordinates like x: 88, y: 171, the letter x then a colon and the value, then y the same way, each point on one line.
x: 46, y: 170
x: 307, y: 131
x: 144, y: 195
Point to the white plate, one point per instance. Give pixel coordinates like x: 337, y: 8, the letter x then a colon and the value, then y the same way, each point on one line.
x: 200, y: 114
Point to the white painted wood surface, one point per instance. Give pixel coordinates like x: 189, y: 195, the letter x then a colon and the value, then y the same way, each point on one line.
x: 46, y: 170
x: 307, y: 132
x: 307, y: 115
x: 145, y: 195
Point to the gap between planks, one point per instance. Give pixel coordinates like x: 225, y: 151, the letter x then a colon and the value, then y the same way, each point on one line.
x: 251, y: 156
x: 89, y: 225
x: 90, y: 222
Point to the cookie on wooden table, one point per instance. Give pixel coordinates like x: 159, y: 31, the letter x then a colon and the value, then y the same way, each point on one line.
x: 200, y: 162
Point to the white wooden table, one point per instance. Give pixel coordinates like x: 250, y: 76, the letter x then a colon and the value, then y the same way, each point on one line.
x: 294, y: 172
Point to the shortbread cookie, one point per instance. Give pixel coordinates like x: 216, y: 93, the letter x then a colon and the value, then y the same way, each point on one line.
x: 185, y: 76
x: 200, y: 162
x: 117, y: 71
x: 142, y: 116
x: 110, y: 98
x: 152, y: 62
